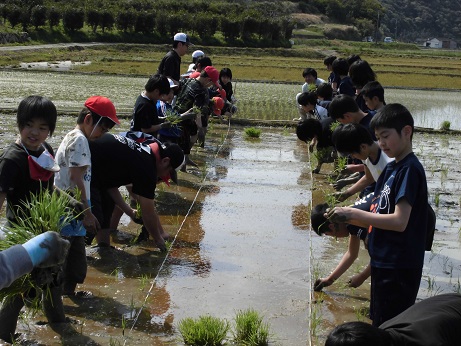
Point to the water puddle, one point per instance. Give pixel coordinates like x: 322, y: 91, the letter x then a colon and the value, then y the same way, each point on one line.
x: 53, y: 66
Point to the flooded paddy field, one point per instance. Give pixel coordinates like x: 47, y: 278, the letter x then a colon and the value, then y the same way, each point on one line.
x: 241, y: 227
x: 242, y: 240
x: 256, y: 100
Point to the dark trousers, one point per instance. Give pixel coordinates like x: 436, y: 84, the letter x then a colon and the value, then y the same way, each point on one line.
x: 75, y: 267
x: 392, y: 292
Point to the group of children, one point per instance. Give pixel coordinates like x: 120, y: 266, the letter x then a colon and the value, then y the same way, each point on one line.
x: 391, y: 214
x: 91, y: 165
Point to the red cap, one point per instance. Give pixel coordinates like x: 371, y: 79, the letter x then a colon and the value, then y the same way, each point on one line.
x: 102, y: 106
x: 218, y: 104
x: 223, y: 93
x: 213, y: 74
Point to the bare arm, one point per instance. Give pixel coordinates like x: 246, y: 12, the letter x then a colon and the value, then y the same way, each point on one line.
x: 346, y: 261
x: 90, y: 222
x: 358, y: 279
x: 120, y: 202
x: 151, y: 221
x: 396, y: 221
x: 363, y: 182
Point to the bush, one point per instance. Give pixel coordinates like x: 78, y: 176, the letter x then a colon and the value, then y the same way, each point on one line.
x: 346, y: 33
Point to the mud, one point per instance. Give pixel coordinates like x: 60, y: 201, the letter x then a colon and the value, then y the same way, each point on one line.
x: 242, y: 239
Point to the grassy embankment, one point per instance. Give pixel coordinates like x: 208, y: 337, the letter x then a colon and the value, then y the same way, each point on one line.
x: 400, y: 65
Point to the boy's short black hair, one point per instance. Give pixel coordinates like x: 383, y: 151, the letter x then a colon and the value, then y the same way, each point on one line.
x: 319, y: 222
x: 393, y: 116
x: 342, y: 104
x: 372, y: 89
x: 308, y: 129
x: 361, y: 73
x: 105, y: 121
x: 353, y: 58
x: 329, y: 60
x: 310, y: 71
x: 225, y: 72
x: 325, y: 91
x: 37, y: 107
x: 158, y: 81
x: 306, y: 98
x: 348, y: 138
x: 340, y: 67
x: 204, y: 61
x: 358, y: 334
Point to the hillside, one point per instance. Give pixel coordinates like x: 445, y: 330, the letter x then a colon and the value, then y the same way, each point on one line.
x: 411, y: 19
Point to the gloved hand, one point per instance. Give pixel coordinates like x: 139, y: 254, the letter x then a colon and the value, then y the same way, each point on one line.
x: 47, y: 249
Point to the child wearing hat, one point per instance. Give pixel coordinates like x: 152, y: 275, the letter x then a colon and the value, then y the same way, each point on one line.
x: 97, y: 117
x: 117, y: 160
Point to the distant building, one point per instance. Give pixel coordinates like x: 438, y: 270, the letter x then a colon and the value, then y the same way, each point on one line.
x: 445, y: 43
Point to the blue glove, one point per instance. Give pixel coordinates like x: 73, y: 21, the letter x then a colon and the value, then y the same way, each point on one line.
x: 47, y: 249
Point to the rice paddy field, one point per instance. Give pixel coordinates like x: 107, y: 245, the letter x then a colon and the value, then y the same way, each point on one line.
x: 248, y: 238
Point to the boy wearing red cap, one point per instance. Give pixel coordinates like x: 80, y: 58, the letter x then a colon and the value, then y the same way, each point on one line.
x: 74, y: 159
x: 194, y: 93
x: 119, y: 161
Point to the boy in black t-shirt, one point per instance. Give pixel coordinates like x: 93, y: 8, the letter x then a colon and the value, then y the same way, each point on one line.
x: 398, y: 221
x: 117, y: 161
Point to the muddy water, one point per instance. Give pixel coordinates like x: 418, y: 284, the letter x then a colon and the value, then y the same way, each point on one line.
x: 242, y: 241
x: 241, y: 222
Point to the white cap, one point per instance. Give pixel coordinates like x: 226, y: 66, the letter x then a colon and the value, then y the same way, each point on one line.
x: 172, y: 83
x: 182, y: 37
x: 197, y: 54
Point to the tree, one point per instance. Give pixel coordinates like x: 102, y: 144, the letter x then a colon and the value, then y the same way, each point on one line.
x: 14, y: 15
x: 73, y: 19
x: 54, y: 16
x: 93, y: 18
x: 230, y: 27
x: 145, y: 22
x: 125, y: 20
x: 106, y: 21
x: 205, y: 24
x: 38, y: 16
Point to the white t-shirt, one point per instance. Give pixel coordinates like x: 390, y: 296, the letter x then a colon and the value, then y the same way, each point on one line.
x: 378, y: 166
x: 74, y: 151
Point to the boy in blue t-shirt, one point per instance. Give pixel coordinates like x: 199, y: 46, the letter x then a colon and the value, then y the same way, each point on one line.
x: 398, y: 218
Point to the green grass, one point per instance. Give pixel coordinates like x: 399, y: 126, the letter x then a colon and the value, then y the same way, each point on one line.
x: 445, y: 126
x: 205, y: 330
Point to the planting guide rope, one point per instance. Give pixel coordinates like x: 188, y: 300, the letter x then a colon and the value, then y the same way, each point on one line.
x: 154, y: 281
x: 309, y: 271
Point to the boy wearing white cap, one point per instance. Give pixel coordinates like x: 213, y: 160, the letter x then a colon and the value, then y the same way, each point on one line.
x: 170, y: 65
x: 195, y: 56
x: 97, y: 117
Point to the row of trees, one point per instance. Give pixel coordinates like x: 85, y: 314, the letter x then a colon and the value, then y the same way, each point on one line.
x: 144, y: 17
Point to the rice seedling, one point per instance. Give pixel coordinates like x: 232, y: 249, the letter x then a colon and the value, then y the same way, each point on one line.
x: 205, y: 330
x: 361, y: 313
x: 437, y: 199
x: 252, y: 132
x: 250, y: 330
x: 145, y: 279
x: 445, y: 125
x: 46, y: 211
x: 172, y: 117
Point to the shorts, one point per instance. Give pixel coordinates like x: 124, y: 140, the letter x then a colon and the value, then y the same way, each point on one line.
x: 392, y: 292
x: 102, y: 206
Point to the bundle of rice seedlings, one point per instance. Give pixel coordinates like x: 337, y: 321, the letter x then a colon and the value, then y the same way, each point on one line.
x: 206, y: 330
x: 172, y: 117
x: 46, y: 211
x: 250, y: 330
